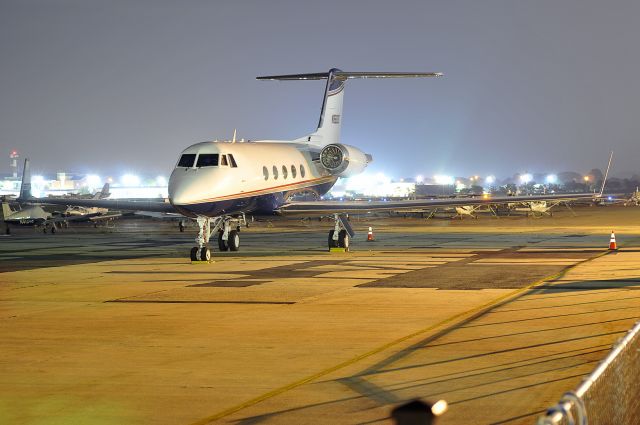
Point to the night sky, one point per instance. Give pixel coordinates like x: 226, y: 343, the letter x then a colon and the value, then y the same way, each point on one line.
x: 124, y: 86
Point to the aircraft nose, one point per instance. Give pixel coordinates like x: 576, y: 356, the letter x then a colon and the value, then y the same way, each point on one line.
x: 179, y: 193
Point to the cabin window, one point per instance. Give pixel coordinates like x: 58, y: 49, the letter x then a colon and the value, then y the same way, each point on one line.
x: 232, y: 161
x: 187, y: 160
x: 265, y: 173
x: 207, y: 160
x: 284, y: 172
x: 302, y: 172
x: 293, y: 171
x: 223, y: 160
x: 275, y: 172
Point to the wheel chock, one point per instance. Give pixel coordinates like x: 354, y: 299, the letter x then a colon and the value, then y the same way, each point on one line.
x: 337, y: 249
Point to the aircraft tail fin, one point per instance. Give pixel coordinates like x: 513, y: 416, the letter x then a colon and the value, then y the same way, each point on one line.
x: 606, y: 174
x: 6, y: 209
x: 328, y: 130
x: 25, y: 186
x: 104, y: 193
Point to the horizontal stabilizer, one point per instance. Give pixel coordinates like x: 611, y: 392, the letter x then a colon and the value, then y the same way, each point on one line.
x: 345, y: 75
x: 328, y: 131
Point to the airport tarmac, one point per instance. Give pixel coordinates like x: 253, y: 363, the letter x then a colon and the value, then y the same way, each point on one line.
x: 498, y: 317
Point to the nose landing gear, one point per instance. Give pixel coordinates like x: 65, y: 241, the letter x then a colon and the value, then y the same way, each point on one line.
x: 228, y: 239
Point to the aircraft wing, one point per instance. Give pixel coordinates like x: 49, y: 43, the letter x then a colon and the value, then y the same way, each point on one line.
x: 112, y: 204
x: 104, y: 217
x: 330, y: 207
x: 160, y: 215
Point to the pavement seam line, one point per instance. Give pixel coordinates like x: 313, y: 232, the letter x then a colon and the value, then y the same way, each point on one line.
x: 463, y: 316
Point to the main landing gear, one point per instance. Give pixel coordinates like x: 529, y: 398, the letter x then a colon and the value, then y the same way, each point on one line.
x: 341, y: 235
x: 49, y: 227
x: 228, y: 230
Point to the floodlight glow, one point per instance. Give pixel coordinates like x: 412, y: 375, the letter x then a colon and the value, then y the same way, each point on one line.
x: 419, y: 179
x: 526, y: 178
x: 442, y: 179
x: 161, y: 181
x: 552, y: 178
x: 93, y: 180
x: 490, y: 179
x: 586, y: 178
x: 382, y: 178
x: 130, y: 180
x: 39, y: 180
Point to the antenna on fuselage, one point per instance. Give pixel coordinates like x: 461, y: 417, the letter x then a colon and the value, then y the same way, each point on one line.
x: 606, y: 174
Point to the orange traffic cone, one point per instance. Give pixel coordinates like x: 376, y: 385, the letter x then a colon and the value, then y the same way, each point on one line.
x: 613, y: 246
x: 370, y: 235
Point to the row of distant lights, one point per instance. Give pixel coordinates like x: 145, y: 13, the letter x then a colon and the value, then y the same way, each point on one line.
x: 550, y: 179
x: 524, y: 178
x: 449, y: 180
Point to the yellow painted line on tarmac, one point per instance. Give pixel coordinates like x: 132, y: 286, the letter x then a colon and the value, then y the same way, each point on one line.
x: 353, y: 360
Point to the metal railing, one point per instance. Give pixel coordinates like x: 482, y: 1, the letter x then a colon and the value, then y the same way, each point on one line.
x: 609, y: 395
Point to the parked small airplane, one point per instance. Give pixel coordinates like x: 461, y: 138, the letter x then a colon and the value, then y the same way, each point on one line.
x: 33, y: 215
x: 536, y: 208
x: 36, y: 216
x: 102, y: 194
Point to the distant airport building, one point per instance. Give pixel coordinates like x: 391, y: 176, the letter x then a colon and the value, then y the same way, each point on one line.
x: 434, y: 190
x: 70, y: 184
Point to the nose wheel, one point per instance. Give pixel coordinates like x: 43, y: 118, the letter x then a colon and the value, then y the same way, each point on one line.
x: 200, y: 254
x: 202, y: 251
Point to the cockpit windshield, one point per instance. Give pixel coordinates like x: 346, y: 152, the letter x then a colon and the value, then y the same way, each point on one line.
x: 187, y: 160
x: 207, y: 160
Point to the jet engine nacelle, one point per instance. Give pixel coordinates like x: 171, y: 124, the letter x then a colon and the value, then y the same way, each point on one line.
x: 343, y: 160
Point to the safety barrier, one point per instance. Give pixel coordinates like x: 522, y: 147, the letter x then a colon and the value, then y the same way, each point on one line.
x: 609, y: 395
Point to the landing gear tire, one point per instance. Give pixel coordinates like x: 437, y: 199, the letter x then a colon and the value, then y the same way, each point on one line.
x: 343, y: 239
x: 194, y: 253
x: 234, y: 240
x: 44, y: 229
x: 222, y: 244
x: 205, y: 254
x: 53, y: 229
x: 333, y: 243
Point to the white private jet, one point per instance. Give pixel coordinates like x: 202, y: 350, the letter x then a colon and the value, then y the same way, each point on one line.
x: 217, y: 183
